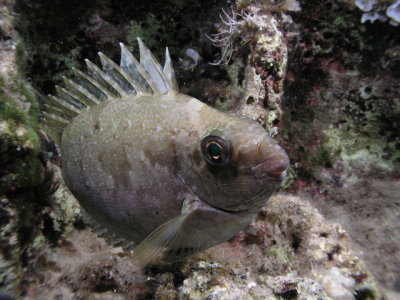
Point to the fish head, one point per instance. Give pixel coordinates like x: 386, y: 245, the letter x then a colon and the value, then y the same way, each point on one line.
x: 241, y: 165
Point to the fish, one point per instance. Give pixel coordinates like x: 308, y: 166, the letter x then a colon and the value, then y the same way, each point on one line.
x: 157, y: 169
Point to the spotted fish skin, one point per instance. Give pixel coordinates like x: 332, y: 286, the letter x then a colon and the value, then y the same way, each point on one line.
x: 162, y: 169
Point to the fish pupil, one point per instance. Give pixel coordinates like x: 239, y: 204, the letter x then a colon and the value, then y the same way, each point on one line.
x: 214, y: 150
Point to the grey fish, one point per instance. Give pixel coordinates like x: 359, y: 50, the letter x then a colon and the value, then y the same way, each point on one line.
x: 156, y: 167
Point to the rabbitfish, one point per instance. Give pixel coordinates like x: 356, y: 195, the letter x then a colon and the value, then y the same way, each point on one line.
x: 156, y: 167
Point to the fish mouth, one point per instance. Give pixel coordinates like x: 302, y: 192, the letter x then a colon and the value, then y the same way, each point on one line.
x: 272, y: 168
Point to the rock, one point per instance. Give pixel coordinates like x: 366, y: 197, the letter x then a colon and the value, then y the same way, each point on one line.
x: 290, y: 251
x: 325, y: 84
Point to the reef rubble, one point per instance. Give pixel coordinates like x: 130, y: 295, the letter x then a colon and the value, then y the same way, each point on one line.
x: 317, y: 77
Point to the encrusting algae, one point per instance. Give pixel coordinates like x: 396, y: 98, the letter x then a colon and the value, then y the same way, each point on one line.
x: 156, y: 168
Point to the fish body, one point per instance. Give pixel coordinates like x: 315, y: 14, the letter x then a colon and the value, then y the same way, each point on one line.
x: 159, y: 168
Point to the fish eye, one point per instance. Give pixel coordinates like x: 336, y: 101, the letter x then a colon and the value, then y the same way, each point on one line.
x: 216, y: 150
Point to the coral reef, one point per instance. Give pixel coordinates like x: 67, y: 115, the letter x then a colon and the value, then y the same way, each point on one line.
x: 326, y: 84
x: 290, y: 251
x: 341, y: 124
x: 253, y: 40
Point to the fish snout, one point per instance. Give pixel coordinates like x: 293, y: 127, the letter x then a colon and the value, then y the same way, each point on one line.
x: 273, y: 167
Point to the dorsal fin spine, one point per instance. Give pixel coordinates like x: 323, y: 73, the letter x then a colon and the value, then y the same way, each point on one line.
x: 76, y: 99
x: 139, y: 68
x: 134, y: 84
x: 62, y: 122
x: 169, y: 72
x: 88, y: 98
x: 136, y: 77
x: 93, y: 82
x: 107, y: 79
x: 112, y: 82
x: 68, y: 97
x: 69, y: 109
x: 151, y: 65
x: 57, y: 111
x: 116, y: 82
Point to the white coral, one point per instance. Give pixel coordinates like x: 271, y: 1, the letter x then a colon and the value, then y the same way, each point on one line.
x: 393, y: 12
x: 365, y: 5
x: 378, y: 10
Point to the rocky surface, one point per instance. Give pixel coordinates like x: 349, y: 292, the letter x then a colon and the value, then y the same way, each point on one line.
x: 323, y: 82
x: 22, y: 172
x: 290, y: 252
x: 341, y: 127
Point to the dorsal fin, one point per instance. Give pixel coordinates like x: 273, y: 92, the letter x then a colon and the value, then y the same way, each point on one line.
x: 169, y: 72
x: 109, y: 83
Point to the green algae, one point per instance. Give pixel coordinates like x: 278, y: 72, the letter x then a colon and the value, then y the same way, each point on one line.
x: 9, y: 111
x: 221, y: 105
x: 324, y: 156
x: 151, y: 30
x: 359, y: 151
x: 20, y: 144
x: 20, y: 109
x: 281, y: 253
x: 234, y: 71
x: 291, y: 175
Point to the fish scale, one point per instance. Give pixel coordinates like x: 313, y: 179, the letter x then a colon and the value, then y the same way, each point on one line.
x: 155, y: 168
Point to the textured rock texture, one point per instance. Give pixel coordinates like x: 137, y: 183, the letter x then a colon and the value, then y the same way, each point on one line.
x: 21, y: 171
x: 341, y: 126
x: 324, y: 83
x: 290, y: 251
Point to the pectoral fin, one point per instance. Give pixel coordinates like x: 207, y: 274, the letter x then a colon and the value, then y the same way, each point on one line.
x: 198, y: 227
x: 168, y: 241
x: 158, y: 243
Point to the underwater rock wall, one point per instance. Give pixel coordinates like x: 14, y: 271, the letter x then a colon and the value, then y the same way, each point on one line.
x: 21, y: 171
x: 325, y: 84
x: 341, y: 126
